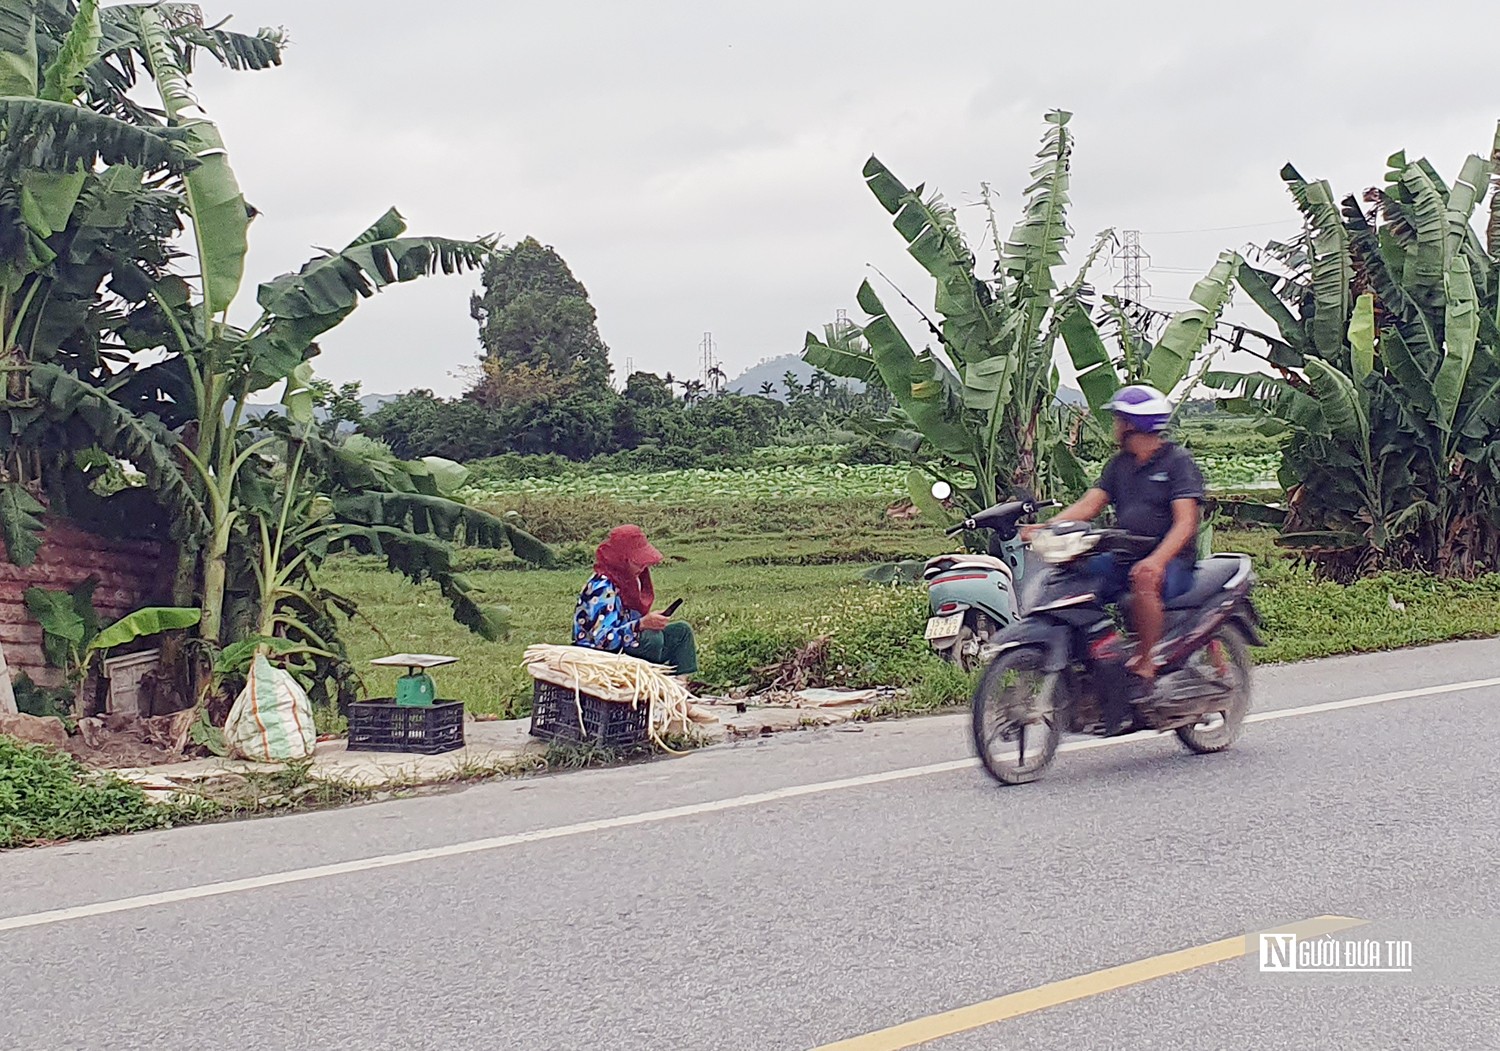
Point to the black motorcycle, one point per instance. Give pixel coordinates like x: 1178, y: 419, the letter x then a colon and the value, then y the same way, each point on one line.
x: 1062, y: 666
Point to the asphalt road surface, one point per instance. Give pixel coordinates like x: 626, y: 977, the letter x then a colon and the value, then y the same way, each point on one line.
x: 862, y: 889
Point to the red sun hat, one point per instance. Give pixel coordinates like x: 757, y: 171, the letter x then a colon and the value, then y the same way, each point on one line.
x: 626, y: 547
x: 628, y: 542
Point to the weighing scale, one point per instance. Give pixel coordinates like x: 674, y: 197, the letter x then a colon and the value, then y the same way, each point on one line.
x: 415, y: 689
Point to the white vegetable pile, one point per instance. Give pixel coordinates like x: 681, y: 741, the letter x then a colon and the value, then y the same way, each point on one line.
x: 613, y: 677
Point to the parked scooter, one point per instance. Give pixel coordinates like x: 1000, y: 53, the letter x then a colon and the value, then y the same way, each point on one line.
x: 972, y: 598
x: 1062, y: 666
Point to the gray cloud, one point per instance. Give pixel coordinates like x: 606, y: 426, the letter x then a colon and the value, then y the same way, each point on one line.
x: 699, y: 165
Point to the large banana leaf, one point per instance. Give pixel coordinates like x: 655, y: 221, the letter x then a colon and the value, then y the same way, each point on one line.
x: 1460, y: 333
x: 420, y: 559
x: 1424, y: 270
x: 841, y: 353
x: 1189, y: 329
x: 446, y: 519
x: 1416, y: 385
x: 144, y: 623
x: 18, y: 56
x: 1261, y: 287
x: 1473, y: 182
x: 62, y: 398
x: 1253, y: 393
x: 923, y: 388
x: 49, y: 136
x: 1492, y: 238
x: 1328, y: 260
x: 1037, y: 242
x: 1097, y: 378
x: 221, y: 220
x: 20, y: 523
x: 1341, y: 404
x: 328, y: 287
x: 67, y: 73
x: 1376, y: 272
x: 934, y: 240
x: 300, y: 307
x: 1362, y: 337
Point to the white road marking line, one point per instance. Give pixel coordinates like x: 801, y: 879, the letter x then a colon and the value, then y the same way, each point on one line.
x: 475, y: 846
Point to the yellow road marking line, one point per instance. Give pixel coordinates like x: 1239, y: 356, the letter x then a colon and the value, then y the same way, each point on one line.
x: 1012, y: 1005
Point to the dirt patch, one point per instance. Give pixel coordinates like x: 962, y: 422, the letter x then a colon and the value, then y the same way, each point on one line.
x: 128, y: 741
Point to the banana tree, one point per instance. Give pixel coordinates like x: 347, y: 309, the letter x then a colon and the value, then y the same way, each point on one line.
x: 74, y: 190
x: 1387, y: 370
x: 351, y: 494
x: 182, y: 420
x: 986, y: 404
x: 984, y: 412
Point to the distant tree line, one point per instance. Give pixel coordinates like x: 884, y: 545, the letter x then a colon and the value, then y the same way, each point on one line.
x: 543, y: 387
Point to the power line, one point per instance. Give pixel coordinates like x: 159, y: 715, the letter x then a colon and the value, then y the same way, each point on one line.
x: 1212, y: 229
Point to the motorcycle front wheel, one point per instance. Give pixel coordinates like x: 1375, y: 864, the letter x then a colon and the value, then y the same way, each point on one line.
x: 1018, y: 716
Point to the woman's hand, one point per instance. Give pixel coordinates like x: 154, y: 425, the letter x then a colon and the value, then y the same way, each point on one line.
x: 655, y: 622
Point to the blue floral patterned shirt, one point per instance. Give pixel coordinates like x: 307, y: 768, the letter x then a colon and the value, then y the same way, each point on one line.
x: 602, y: 622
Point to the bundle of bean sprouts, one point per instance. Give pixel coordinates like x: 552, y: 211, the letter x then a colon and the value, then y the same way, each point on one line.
x: 613, y: 677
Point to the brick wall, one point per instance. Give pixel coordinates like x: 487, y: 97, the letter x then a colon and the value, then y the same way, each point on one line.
x: 132, y: 574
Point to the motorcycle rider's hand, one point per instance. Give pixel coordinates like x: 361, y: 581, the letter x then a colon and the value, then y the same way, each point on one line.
x: 655, y: 622
x: 1148, y: 574
x: 1029, y: 532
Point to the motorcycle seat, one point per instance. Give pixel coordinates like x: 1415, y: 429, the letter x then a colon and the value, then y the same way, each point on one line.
x: 1210, y: 578
x: 947, y: 563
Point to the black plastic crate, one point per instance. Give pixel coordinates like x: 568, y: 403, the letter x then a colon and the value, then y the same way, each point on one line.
x: 554, y: 717
x: 385, y: 726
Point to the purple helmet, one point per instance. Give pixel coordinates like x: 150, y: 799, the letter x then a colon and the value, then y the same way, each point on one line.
x: 1144, y: 408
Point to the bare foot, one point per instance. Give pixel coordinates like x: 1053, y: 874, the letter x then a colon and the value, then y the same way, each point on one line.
x: 1142, y: 667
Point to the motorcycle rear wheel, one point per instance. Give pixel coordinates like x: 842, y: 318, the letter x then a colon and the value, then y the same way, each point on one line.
x: 957, y: 654
x: 1018, y: 716
x: 1218, y: 730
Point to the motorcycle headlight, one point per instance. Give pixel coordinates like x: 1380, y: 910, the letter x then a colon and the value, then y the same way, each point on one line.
x: 1057, y: 548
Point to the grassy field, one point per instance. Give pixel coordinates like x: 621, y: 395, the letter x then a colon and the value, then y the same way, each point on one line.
x: 759, y: 576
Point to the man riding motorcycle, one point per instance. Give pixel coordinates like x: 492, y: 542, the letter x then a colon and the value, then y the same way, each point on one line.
x: 1157, y: 491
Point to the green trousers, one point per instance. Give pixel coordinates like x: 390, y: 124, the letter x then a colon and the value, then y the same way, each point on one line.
x: 673, y: 647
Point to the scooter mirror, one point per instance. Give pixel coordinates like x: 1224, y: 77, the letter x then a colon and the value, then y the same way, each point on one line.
x: 941, y: 490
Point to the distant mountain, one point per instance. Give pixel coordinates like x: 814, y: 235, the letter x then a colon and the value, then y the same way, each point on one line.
x: 370, y: 402
x: 772, y: 371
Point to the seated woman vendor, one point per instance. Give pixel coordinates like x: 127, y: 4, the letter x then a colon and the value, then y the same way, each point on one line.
x: 614, y: 610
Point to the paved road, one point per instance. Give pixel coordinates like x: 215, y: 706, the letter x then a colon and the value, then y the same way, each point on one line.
x: 800, y: 891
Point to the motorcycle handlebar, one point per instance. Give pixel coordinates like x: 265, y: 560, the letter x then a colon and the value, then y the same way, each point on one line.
x: 1015, y: 510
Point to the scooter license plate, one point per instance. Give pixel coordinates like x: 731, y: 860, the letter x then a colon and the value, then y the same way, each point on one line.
x: 944, y: 627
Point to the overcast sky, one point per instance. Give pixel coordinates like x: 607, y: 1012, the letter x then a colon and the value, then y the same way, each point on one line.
x: 698, y: 165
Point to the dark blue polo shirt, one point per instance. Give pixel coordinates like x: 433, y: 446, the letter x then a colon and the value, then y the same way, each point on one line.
x: 1143, y: 492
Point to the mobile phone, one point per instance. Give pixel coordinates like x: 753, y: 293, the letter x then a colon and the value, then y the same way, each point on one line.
x: 672, y: 608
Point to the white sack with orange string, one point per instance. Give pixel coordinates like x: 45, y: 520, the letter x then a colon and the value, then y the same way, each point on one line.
x: 272, y: 719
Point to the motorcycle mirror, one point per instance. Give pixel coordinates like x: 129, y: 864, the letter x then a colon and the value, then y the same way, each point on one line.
x: 941, y: 490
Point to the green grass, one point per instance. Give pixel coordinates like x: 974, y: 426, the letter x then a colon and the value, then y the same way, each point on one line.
x: 46, y: 796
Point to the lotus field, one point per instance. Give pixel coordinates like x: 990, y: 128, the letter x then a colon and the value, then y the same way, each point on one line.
x: 830, y: 481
